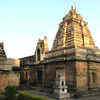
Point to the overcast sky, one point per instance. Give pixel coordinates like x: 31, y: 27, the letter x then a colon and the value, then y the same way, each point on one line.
x: 23, y: 22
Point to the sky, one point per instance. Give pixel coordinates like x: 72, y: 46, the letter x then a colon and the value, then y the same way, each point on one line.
x: 23, y: 22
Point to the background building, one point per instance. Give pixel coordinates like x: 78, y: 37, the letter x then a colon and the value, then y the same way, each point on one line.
x: 8, y: 74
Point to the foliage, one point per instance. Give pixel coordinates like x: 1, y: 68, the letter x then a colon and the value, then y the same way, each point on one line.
x: 2, y: 92
x: 10, y: 92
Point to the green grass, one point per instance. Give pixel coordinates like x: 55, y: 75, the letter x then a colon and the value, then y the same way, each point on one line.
x: 23, y: 95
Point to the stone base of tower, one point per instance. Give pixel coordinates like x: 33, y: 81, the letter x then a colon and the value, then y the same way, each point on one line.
x: 87, y: 69
x: 81, y: 67
x: 81, y: 76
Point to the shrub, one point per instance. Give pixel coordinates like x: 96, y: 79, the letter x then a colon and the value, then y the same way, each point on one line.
x: 2, y: 92
x: 10, y: 92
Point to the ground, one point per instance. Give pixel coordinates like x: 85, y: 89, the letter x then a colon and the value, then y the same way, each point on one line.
x: 41, y: 93
x: 96, y: 97
x: 89, y: 98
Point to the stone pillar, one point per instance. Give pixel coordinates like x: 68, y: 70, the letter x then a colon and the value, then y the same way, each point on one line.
x: 92, y: 79
x: 43, y: 77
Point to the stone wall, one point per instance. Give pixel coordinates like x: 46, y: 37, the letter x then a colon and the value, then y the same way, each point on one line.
x: 94, y: 68
x: 81, y: 75
x: 3, y: 80
x: 8, y: 79
x: 70, y: 73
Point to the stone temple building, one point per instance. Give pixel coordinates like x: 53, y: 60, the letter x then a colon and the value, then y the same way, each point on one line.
x: 9, y: 73
x: 73, y: 55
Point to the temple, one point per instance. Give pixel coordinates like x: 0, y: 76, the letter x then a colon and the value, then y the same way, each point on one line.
x: 9, y: 70
x: 73, y: 55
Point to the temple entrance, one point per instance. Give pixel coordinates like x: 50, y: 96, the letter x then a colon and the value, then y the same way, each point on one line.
x: 92, y: 79
x: 38, y: 54
x: 39, y: 75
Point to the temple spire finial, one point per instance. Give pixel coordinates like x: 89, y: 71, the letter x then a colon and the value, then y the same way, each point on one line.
x: 73, y: 6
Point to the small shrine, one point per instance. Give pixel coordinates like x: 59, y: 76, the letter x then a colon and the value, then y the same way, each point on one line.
x: 60, y: 89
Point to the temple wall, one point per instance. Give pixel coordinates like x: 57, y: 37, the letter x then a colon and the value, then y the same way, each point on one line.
x: 8, y: 79
x: 81, y: 76
x: 94, y: 67
x: 53, y: 68
x: 49, y: 74
x: 70, y: 74
x: 3, y: 80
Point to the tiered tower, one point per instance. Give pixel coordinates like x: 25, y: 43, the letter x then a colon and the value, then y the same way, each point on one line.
x: 73, y: 31
x: 41, y: 49
x: 2, y: 52
x: 3, y: 57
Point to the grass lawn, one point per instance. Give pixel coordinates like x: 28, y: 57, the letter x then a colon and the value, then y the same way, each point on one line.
x: 23, y: 95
